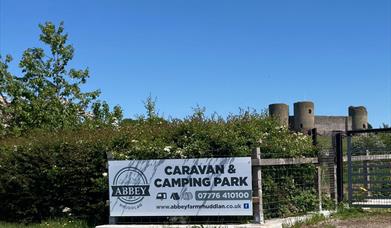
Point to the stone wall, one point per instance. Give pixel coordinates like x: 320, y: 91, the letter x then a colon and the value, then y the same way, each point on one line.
x: 326, y: 124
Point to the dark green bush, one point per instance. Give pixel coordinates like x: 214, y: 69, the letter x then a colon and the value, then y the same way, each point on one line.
x: 42, y: 178
x: 46, y: 174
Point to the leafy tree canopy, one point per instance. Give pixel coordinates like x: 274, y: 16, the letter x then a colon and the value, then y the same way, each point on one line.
x: 48, y: 95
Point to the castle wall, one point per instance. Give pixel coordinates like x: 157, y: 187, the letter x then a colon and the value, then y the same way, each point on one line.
x: 326, y: 124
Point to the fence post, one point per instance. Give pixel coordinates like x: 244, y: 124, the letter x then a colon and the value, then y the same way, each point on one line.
x: 257, y: 188
x: 319, y: 172
x: 314, y: 136
x: 112, y: 220
x: 339, y: 161
x: 366, y: 174
x: 350, y: 184
x: 332, y: 167
x: 318, y: 177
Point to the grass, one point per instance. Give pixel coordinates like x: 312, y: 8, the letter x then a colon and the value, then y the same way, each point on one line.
x: 324, y: 142
x: 350, y: 213
x: 67, y: 223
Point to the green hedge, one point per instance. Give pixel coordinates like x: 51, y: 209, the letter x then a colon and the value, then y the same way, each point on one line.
x: 43, y: 177
x: 47, y: 174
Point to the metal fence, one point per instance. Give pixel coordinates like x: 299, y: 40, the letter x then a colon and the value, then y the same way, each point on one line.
x: 369, y: 168
x: 285, y: 187
x: 328, y: 178
x: 295, y: 186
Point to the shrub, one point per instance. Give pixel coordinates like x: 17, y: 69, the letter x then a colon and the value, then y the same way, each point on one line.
x: 53, y: 177
x: 64, y: 174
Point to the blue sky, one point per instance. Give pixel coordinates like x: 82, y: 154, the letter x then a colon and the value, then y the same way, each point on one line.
x: 221, y: 54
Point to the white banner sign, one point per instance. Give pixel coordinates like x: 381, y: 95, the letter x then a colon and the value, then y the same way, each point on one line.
x: 181, y: 187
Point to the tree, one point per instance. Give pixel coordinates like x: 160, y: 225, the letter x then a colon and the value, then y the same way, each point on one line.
x: 102, y: 116
x: 47, y: 95
x: 150, y: 106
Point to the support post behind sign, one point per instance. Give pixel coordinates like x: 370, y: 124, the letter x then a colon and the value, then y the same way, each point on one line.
x: 257, y: 189
x: 112, y: 220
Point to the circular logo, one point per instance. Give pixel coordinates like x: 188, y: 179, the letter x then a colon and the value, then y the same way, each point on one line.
x: 130, y: 185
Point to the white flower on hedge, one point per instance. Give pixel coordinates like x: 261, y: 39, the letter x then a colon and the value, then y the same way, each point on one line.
x: 66, y: 210
x: 179, y: 152
x: 115, y: 122
x: 167, y: 148
x: 134, y: 141
x: 104, y: 174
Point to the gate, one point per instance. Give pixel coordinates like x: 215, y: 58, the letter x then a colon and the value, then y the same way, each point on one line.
x: 369, y: 168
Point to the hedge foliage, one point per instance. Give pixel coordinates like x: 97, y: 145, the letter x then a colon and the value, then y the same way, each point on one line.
x: 64, y: 174
x: 45, y: 175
